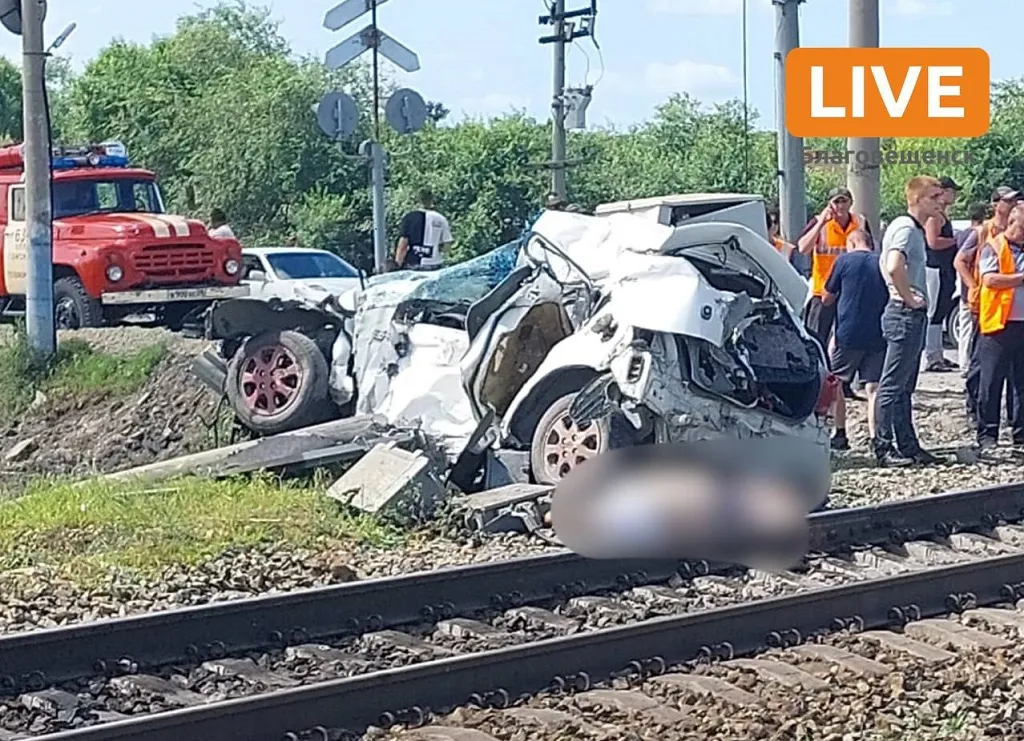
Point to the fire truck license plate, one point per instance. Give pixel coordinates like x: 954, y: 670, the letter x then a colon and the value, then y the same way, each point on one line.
x: 175, y: 294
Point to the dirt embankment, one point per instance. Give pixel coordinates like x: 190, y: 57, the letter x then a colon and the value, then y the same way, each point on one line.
x: 168, y: 414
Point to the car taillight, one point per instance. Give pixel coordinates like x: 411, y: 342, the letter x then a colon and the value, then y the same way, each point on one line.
x: 829, y: 394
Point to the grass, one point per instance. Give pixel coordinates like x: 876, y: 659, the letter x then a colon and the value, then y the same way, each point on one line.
x: 76, y: 370
x: 84, y: 531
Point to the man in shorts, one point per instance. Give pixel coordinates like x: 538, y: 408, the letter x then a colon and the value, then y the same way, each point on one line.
x: 858, y: 292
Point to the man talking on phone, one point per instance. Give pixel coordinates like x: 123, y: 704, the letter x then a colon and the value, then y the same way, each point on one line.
x: 824, y: 240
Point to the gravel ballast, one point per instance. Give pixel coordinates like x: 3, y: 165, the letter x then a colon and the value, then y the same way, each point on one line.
x: 40, y: 598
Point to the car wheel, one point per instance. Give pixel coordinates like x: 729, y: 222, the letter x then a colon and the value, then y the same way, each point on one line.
x: 559, y: 445
x: 278, y: 382
x: 73, y: 307
x: 952, y: 328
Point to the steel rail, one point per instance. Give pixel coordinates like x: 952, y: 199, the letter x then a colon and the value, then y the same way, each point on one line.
x: 497, y: 677
x: 33, y: 660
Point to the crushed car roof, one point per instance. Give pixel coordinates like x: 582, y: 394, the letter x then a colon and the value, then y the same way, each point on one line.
x: 593, y: 243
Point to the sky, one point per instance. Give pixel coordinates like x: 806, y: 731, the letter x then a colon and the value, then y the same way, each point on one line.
x: 482, y: 58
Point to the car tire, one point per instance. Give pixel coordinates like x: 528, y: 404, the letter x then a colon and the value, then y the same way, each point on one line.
x: 558, y: 445
x: 951, y: 327
x: 73, y: 307
x: 278, y: 382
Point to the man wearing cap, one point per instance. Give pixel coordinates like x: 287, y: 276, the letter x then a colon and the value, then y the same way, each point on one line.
x: 1004, y: 198
x: 941, y: 277
x: 824, y: 240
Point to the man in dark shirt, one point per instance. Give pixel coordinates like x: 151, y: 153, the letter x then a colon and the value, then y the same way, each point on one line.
x: 941, y: 277
x: 425, y: 234
x: 857, y: 289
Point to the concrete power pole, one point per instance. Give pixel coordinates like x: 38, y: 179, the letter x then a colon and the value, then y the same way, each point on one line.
x: 558, y: 102
x: 39, y: 293
x: 862, y: 178
x: 792, y: 194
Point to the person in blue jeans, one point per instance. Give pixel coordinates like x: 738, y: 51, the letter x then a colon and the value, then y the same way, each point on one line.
x: 904, y: 323
x: 859, y: 292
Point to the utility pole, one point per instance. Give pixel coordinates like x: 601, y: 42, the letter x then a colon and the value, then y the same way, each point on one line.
x: 564, y: 33
x: 792, y: 193
x: 39, y: 293
x: 863, y: 176
x: 558, y: 103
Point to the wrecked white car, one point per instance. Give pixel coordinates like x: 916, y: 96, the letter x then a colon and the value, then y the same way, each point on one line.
x: 592, y: 333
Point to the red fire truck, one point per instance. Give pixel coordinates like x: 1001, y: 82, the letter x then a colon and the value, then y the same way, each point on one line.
x: 116, y: 252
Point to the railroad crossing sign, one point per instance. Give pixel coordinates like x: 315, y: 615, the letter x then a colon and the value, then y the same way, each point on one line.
x: 341, y: 15
x: 337, y: 115
x: 368, y: 38
x: 406, y: 111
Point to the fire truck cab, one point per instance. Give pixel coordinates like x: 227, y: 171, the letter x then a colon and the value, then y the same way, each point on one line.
x: 116, y: 252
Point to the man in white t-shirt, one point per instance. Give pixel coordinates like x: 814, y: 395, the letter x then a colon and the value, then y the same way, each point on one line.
x: 424, y: 236
x: 219, y: 228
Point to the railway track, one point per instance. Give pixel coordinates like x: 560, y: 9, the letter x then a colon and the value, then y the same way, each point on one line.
x: 330, y: 662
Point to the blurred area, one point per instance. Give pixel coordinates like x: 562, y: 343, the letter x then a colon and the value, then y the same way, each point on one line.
x: 744, y: 502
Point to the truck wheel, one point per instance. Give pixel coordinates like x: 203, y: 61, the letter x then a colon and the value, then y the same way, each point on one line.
x: 560, y: 445
x: 73, y: 308
x: 277, y: 382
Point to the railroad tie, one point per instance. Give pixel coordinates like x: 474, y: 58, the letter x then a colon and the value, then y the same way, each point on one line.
x: 630, y: 701
x: 899, y: 642
x: 951, y: 633
x: 707, y: 686
x: 448, y: 733
x: 1000, y: 618
x: 784, y: 674
x: 843, y: 658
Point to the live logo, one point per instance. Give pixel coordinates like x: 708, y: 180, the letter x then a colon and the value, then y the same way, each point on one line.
x: 895, y: 92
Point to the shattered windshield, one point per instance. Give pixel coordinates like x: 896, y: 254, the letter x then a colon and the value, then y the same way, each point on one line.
x: 112, y: 195
x: 469, y: 281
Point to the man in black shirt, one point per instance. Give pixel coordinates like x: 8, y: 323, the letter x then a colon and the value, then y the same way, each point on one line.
x: 425, y: 234
x: 942, y: 277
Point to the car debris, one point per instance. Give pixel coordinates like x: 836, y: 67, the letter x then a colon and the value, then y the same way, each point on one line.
x: 389, y: 480
x: 510, y: 508
x: 588, y: 334
x: 277, y: 452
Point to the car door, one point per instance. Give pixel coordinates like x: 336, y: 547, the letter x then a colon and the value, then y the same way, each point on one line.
x: 511, y: 331
x: 252, y: 263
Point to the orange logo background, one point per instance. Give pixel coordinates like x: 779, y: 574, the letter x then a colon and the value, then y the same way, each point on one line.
x: 837, y: 88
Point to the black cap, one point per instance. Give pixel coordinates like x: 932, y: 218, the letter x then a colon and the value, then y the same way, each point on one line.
x: 949, y: 183
x: 1004, y: 193
x: 840, y: 192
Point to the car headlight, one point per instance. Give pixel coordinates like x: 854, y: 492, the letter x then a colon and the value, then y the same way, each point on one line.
x: 231, y: 267
x: 114, y: 273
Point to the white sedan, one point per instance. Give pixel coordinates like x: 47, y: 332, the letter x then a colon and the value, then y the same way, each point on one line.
x: 277, y: 272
